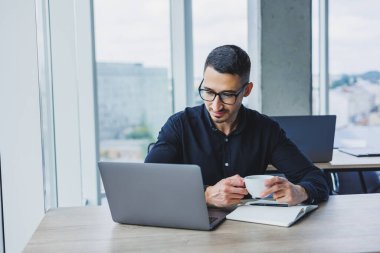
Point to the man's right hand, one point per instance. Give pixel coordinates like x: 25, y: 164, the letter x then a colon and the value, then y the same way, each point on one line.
x: 226, y: 192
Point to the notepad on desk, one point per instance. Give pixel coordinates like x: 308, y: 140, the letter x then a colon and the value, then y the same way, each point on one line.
x: 270, y: 212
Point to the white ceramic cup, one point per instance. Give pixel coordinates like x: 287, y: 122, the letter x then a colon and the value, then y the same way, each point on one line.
x: 255, y: 184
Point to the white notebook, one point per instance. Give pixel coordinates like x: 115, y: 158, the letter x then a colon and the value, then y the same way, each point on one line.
x: 263, y: 212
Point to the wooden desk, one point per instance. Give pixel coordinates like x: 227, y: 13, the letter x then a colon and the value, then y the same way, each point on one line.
x: 346, y: 162
x: 346, y: 223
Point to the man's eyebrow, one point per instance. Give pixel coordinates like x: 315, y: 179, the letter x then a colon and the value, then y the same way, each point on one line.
x: 207, y: 88
x: 229, y: 91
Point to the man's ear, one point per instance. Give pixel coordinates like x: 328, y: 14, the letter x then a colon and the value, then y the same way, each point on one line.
x: 248, y: 89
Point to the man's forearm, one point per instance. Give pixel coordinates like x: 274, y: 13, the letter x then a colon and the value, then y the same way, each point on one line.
x: 303, y: 196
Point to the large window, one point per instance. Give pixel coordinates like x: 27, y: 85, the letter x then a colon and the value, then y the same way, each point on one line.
x: 354, y: 65
x: 216, y: 23
x: 132, y: 41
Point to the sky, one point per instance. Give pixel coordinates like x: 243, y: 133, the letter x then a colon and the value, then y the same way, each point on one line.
x: 133, y: 31
x: 354, y: 36
x: 139, y: 31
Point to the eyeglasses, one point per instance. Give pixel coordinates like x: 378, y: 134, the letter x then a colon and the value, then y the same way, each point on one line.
x: 227, y: 97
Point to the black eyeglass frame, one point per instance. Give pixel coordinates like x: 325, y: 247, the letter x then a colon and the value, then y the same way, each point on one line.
x: 235, y: 94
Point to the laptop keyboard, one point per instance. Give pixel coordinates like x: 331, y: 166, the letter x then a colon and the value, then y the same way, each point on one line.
x: 212, y: 219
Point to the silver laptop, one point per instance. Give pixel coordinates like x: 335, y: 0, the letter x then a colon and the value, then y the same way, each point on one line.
x: 313, y: 135
x: 165, y: 195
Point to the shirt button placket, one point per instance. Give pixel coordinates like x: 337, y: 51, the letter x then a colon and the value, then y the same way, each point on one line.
x: 226, y: 163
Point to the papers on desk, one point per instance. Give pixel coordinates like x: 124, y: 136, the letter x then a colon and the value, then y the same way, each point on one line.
x: 267, y: 212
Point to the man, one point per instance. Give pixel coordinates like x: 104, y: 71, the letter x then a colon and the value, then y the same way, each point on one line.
x: 229, y: 141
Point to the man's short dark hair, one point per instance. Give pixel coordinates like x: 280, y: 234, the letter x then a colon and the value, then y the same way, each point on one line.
x: 230, y: 59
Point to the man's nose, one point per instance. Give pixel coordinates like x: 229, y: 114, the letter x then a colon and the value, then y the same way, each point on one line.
x: 217, y: 104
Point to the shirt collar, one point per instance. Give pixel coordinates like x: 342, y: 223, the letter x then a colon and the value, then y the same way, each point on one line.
x: 241, y: 120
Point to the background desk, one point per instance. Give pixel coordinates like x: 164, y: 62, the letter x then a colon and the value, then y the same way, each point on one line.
x: 346, y: 223
x: 345, y: 162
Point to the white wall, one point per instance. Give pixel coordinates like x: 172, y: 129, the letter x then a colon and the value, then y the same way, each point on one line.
x: 20, y: 134
x: 63, y: 47
x: 87, y: 100
x: 71, y: 46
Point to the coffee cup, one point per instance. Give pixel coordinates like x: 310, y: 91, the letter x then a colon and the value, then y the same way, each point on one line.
x: 255, y: 184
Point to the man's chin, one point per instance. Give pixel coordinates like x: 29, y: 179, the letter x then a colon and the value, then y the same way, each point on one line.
x: 218, y: 119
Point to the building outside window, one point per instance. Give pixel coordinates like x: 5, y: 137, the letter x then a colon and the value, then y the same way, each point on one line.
x: 354, y: 62
x: 132, y: 40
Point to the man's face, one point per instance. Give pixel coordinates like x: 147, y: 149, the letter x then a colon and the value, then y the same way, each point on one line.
x: 231, y: 84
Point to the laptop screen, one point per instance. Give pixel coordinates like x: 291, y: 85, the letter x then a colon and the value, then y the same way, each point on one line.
x: 313, y: 135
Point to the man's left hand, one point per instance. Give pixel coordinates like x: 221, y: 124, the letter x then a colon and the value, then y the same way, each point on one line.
x: 284, y: 191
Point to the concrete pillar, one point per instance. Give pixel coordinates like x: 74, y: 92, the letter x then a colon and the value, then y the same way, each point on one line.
x: 286, y: 57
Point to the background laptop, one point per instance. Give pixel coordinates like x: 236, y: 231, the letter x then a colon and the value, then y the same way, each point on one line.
x: 361, y: 152
x: 167, y: 195
x: 313, y: 135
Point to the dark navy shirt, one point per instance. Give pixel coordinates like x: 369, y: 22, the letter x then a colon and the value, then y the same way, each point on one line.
x: 190, y: 137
